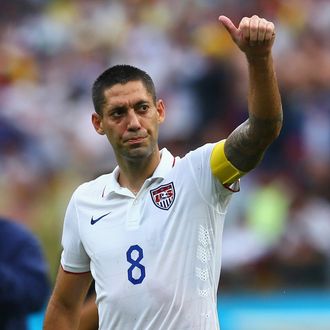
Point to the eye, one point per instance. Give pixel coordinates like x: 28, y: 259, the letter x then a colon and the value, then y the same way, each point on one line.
x: 143, y: 107
x: 117, y: 113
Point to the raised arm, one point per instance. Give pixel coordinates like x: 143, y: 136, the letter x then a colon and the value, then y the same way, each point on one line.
x: 63, y: 311
x: 245, y: 146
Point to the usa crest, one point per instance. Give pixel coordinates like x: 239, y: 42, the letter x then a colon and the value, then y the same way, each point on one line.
x: 163, y: 196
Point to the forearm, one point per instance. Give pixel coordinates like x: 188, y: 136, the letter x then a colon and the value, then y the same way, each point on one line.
x: 65, y: 304
x: 264, y: 100
x: 246, y: 145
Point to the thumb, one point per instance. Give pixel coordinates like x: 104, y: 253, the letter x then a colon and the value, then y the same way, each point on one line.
x: 230, y: 27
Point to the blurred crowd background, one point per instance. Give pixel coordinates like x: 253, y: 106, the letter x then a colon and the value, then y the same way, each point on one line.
x: 277, y: 233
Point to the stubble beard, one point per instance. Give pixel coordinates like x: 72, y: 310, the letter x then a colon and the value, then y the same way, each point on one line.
x: 137, y: 154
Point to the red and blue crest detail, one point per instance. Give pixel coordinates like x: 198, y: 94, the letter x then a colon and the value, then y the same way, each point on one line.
x: 163, y: 196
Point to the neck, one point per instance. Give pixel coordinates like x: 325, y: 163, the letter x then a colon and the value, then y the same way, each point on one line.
x: 133, y: 173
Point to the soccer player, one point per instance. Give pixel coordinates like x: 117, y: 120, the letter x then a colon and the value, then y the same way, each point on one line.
x: 149, y: 233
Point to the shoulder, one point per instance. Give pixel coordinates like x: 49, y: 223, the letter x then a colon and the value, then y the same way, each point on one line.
x: 196, y: 164
x: 200, y: 155
x: 93, y: 187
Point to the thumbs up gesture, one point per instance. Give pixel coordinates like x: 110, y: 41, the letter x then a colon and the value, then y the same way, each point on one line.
x: 254, y: 36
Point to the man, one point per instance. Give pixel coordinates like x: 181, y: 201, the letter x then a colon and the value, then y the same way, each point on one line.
x: 24, y: 284
x: 150, y: 232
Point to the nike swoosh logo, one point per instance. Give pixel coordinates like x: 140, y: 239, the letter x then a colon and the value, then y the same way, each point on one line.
x: 94, y: 221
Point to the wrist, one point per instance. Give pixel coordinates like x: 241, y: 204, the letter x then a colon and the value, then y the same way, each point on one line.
x: 259, y: 59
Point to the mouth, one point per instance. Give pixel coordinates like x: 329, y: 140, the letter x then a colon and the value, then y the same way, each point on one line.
x: 135, y: 140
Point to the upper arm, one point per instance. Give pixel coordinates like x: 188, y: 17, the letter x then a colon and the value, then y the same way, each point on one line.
x: 66, y: 301
x: 74, y: 257
x: 246, y: 145
x: 205, y: 184
x: 221, y: 167
x: 89, y: 317
x: 71, y: 288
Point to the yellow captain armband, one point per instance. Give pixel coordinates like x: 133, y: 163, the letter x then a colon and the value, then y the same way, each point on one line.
x: 221, y: 167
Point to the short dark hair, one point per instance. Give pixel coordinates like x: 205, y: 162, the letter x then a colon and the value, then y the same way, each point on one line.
x: 119, y: 74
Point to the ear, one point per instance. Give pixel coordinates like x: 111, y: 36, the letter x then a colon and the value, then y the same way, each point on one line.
x: 97, y: 123
x: 160, y: 106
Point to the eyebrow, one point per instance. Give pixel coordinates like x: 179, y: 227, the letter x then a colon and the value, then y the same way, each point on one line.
x: 141, y: 102
x: 117, y: 107
x: 124, y: 107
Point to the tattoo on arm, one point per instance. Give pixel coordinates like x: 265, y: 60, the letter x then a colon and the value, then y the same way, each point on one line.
x: 246, y: 145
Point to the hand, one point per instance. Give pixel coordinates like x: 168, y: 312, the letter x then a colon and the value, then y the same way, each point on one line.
x: 254, y: 36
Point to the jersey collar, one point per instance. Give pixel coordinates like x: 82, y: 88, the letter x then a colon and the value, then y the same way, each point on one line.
x: 167, y: 161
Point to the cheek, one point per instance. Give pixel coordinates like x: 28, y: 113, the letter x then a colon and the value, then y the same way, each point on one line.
x: 111, y: 134
x: 113, y: 131
x: 155, y: 126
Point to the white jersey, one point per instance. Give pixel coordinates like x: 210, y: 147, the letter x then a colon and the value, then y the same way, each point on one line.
x: 156, y: 256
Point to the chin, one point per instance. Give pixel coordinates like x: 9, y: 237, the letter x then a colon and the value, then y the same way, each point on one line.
x: 139, y: 153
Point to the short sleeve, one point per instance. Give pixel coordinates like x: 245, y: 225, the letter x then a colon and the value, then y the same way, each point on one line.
x: 74, y: 257
x: 212, y: 191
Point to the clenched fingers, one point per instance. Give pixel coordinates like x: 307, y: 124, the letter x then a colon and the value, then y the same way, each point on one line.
x: 270, y: 31
x: 256, y: 30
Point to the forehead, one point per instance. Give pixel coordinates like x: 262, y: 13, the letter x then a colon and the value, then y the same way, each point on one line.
x: 121, y: 94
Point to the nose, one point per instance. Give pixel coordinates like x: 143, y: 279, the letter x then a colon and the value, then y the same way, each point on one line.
x: 133, y: 122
